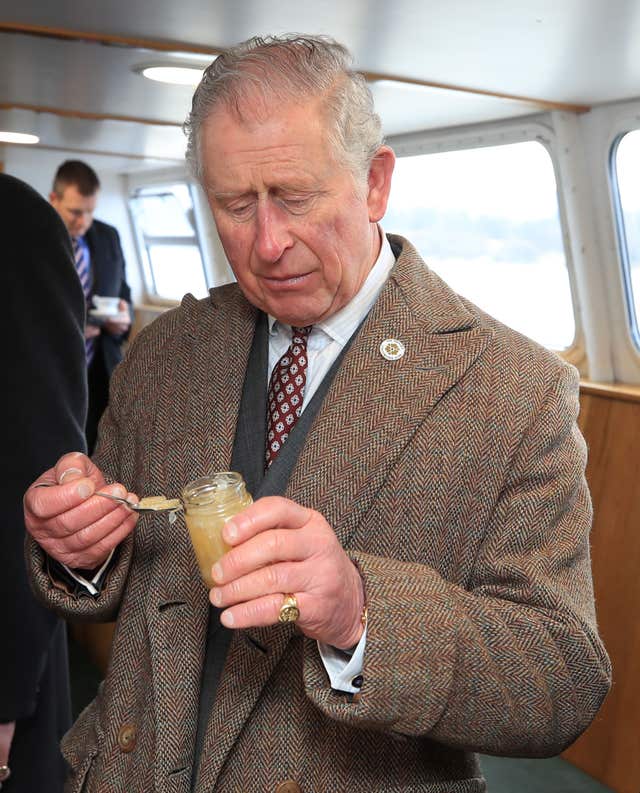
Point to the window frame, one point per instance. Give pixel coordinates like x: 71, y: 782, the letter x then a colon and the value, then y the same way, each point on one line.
x: 142, y: 241
x: 621, y: 237
x: 613, y: 332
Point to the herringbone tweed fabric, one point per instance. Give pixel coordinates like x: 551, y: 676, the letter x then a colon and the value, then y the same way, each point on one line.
x: 458, y: 487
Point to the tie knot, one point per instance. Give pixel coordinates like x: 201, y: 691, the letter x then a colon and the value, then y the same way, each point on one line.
x: 300, y: 335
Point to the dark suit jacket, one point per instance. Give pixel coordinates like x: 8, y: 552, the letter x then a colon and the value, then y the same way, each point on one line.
x: 109, y: 280
x: 44, y: 394
x: 453, y: 476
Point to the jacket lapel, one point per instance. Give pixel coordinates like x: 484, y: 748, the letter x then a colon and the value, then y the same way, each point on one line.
x: 375, y: 405
x: 368, y: 416
x: 95, y: 264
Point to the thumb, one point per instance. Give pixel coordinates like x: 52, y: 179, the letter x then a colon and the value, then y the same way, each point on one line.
x: 77, y: 465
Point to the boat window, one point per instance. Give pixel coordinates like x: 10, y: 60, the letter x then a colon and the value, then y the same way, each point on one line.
x: 626, y: 162
x: 487, y: 221
x: 167, y: 237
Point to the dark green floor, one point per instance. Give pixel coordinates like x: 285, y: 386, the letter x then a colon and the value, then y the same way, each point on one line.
x: 504, y: 775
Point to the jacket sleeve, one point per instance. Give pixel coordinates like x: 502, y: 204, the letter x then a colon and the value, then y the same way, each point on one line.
x: 511, y: 664
x: 120, y: 459
x: 113, y: 458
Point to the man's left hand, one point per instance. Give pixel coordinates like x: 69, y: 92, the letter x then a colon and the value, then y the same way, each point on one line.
x: 119, y: 325
x: 282, y: 547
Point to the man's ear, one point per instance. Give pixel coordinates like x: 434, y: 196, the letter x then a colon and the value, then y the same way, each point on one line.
x: 53, y: 198
x: 379, y: 181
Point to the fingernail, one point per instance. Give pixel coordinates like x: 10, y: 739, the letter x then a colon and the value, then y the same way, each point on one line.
x: 227, y: 619
x: 216, y: 596
x: 119, y: 491
x: 69, y: 471
x: 217, y: 572
x: 84, y: 490
x: 231, y: 530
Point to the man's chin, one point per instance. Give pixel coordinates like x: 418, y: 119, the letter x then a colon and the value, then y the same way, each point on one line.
x: 298, y: 318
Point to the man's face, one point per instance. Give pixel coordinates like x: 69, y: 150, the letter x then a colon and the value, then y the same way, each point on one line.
x: 75, y: 209
x: 299, y: 232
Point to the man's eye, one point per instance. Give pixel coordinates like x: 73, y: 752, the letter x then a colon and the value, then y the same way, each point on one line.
x: 240, y: 210
x: 296, y: 204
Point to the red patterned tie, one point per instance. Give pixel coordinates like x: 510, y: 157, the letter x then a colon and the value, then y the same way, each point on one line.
x: 286, y: 392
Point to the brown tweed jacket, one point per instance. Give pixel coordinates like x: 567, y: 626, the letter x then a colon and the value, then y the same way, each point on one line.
x: 458, y: 488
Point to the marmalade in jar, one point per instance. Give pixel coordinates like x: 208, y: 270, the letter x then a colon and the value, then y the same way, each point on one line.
x: 208, y: 503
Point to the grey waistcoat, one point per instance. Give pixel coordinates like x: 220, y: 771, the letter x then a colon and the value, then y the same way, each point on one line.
x: 248, y: 459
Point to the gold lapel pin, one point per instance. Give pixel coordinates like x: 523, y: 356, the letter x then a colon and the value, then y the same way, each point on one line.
x: 392, y: 349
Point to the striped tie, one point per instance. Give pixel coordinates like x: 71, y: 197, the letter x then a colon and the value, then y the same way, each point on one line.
x: 81, y: 257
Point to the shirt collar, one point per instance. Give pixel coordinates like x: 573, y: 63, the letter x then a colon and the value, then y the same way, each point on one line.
x: 341, y: 325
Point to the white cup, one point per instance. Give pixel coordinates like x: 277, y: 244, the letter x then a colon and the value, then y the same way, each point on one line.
x: 107, y: 305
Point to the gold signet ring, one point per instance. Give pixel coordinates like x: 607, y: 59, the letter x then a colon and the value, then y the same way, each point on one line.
x: 289, y: 611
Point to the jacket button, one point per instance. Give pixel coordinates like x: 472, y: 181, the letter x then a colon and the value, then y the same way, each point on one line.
x: 127, y: 737
x: 288, y: 787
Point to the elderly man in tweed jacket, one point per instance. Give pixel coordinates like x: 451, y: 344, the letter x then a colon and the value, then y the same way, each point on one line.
x: 427, y: 518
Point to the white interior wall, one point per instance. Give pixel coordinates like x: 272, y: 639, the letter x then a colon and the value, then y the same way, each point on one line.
x: 37, y: 167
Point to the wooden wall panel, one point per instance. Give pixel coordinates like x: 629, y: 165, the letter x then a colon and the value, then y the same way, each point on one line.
x: 610, y: 422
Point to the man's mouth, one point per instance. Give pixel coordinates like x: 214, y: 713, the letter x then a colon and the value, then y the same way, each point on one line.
x: 285, y: 281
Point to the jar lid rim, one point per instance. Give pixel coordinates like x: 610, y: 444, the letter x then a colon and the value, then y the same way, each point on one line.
x: 213, y: 484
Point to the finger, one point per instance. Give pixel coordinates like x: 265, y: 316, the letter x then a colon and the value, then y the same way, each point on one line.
x: 273, y: 579
x: 70, y: 507
x: 43, y: 503
x: 265, y: 513
x: 99, y: 551
x: 93, y: 533
x: 265, y: 549
x: 257, y: 613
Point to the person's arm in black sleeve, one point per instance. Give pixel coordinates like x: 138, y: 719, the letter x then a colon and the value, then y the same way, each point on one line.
x: 42, y: 321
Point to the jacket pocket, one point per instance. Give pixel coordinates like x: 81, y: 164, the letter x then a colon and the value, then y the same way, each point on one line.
x: 77, y: 777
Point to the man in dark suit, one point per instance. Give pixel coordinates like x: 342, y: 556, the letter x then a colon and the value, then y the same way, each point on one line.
x: 45, y: 402
x: 101, y: 268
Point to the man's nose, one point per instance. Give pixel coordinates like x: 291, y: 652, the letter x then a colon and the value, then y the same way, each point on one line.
x: 272, y: 235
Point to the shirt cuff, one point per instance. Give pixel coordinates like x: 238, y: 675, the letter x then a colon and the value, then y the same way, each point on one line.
x: 344, y: 667
x: 91, y: 585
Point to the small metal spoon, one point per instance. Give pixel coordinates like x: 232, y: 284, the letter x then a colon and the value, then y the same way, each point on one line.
x: 135, y: 507
x: 138, y: 508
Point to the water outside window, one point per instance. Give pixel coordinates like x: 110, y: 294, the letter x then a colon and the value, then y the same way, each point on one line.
x: 627, y: 165
x: 487, y: 221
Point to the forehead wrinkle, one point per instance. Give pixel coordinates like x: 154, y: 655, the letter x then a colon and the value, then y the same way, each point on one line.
x: 271, y: 159
x: 287, y: 174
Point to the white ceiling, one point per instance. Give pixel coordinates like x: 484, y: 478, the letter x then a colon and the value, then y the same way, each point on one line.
x: 571, y: 51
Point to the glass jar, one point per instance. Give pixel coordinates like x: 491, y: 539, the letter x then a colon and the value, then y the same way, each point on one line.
x: 208, y: 503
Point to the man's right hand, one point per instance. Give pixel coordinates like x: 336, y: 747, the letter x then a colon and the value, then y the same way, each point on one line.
x: 71, y: 524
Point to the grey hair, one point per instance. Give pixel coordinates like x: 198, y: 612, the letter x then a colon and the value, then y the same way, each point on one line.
x: 290, y: 68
